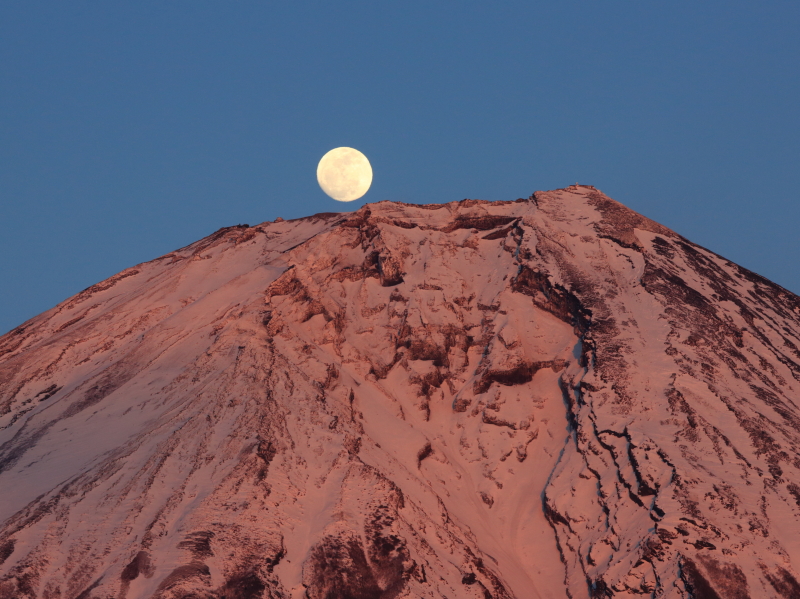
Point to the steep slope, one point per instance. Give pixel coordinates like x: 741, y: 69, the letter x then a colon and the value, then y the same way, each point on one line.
x: 553, y: 397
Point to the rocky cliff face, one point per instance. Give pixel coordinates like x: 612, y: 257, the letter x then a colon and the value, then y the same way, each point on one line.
x: 553, y: 397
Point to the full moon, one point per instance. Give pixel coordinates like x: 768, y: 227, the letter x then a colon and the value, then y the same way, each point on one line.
x: 344, y: 174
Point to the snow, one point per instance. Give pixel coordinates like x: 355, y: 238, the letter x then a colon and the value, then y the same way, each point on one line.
x: 526, y: 399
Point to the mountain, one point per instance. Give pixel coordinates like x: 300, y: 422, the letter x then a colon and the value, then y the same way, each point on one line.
x: 553, y: 397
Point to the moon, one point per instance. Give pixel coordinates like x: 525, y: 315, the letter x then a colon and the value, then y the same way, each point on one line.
x: 344, y: 174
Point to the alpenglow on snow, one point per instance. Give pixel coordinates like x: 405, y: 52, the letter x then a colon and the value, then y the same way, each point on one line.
x: 547, y: 398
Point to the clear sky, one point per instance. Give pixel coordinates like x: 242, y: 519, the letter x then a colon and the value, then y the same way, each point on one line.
x: 129, y: 129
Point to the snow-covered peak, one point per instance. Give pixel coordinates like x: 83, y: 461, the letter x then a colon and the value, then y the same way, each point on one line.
x: 549, y: 397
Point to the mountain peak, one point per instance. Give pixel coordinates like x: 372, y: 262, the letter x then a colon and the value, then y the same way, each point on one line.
x: 546, y: 397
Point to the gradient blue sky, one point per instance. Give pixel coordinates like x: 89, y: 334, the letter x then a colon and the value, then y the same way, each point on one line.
x: 129, y: 129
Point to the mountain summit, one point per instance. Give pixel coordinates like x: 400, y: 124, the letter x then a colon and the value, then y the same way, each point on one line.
x: 553, y: 397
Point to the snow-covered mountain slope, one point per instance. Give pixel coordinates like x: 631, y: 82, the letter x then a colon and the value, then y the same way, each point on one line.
x: 553, y: 397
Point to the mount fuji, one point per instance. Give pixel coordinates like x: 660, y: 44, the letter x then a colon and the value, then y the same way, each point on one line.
x: 553, y: 397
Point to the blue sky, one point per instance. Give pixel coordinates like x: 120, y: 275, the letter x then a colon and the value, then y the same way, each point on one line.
x: 129, y: 129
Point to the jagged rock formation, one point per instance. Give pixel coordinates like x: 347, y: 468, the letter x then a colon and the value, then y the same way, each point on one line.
x: 553, y: 397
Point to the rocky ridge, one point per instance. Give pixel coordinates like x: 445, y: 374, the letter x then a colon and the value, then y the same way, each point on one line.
x: 552, y: 397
